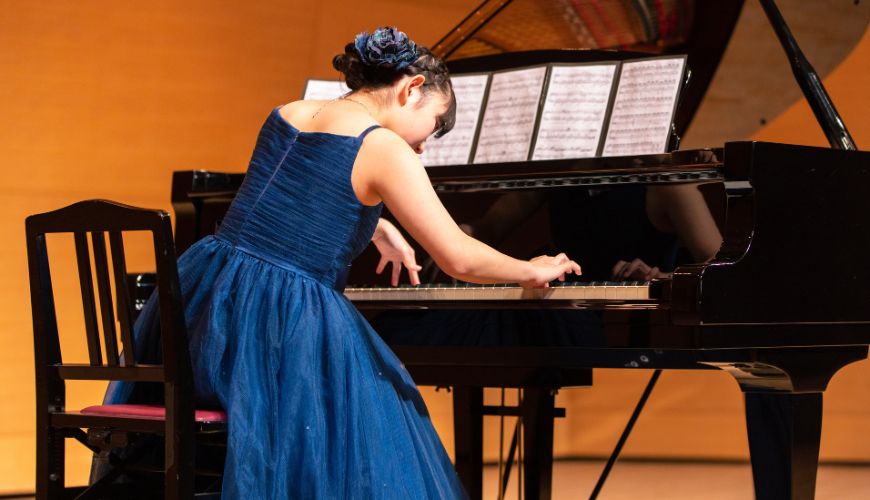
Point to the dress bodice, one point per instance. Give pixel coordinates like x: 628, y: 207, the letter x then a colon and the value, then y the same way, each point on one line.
x: 312, y: 394
x: 296, y: 207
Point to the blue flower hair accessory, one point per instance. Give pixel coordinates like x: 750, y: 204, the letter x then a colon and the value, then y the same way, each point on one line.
x: 386, y: 48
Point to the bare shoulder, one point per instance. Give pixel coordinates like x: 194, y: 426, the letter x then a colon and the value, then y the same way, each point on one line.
x: 293, y: 111
x: 384, y: 146
x: 384, y: 159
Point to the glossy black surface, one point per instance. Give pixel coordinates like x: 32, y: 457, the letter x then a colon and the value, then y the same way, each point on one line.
x: 810, y: 82
x: 200, y: 198
x: 508, y: 30
x: 774, y: 306
x: 801, y: 212
x: 747, y: 311
x: 679, y: 166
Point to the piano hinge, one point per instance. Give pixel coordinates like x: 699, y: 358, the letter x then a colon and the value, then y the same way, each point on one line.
x: 587, y: 180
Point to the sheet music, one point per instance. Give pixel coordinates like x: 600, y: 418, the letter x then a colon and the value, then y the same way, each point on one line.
x: 509, y: 119
x: 455, y: 147
x: 325, y: 90
x: 574, y: 110
x: 641, y: 118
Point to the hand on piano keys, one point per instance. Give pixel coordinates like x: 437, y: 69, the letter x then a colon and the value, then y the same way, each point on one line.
x: 395, y: 250
x: 550, y: 268
x: 572, y: 295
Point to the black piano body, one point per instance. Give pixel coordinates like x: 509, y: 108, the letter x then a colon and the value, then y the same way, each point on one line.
x: 755, y: 310
x: 759, y: 309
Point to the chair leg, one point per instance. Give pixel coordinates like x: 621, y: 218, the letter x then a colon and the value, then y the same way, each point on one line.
x: 180, y: 484
x: 50, y: 449
x: 180, y: 468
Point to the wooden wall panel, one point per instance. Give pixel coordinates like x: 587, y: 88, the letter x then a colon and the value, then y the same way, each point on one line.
x: 754, y: 82
x: 106, y: 99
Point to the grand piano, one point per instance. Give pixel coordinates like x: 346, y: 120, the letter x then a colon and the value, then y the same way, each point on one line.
x: 748, y: 309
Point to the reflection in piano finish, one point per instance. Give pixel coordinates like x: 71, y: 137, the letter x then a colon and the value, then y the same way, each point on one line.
x: 726, y: 228
x: 743, y: 311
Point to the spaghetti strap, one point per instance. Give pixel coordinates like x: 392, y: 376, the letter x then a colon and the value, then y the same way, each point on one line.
x: 366, y: 131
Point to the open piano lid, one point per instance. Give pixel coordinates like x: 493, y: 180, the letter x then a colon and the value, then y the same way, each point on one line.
x: 700, y: 29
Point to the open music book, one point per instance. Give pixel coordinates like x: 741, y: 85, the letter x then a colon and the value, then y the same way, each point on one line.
x: 575, y: 106
x: 643, y: 109
x: 509, y: 115
x: 455, y: 147
x: 560, y: 111
x: 325, y: 90
x: 555, y: 111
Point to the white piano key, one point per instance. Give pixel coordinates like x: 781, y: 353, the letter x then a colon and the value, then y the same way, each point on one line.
x: 614, y: 291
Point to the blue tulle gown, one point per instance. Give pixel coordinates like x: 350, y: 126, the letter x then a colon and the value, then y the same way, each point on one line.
x: 318, y: 405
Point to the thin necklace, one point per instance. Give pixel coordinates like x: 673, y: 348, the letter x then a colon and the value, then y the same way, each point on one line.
x: 360, y: 103
x: 343, y: 98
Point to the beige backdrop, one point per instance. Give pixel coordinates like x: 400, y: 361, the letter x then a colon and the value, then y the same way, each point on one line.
x: 105, y: 99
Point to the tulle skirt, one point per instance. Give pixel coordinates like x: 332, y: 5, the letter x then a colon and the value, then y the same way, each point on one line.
x: 318, y: 405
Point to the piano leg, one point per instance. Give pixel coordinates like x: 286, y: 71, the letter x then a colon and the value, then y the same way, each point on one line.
x: 468, y: 438
x: 783, y: 389
x: 784, y: 434
x: 538, y: 409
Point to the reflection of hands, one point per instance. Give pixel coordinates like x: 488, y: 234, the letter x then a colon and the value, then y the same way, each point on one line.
x: 395, y: 249
x: 430, y: 270
x: 549, y: 268
x: 636, y: 270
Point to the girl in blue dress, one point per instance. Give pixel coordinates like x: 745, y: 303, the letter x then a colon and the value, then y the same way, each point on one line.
x: 318, y: 406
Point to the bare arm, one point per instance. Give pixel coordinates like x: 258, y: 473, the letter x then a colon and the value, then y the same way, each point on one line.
x: 387, y: 169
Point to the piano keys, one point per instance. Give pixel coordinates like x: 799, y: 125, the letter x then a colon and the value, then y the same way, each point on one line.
x: 633, y: 294
x: 745, y: 310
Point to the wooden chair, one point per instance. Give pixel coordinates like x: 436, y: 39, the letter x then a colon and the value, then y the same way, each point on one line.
x: 112, y: 427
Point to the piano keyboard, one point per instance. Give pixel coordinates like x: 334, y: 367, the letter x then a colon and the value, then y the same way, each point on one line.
x: 595, y: 290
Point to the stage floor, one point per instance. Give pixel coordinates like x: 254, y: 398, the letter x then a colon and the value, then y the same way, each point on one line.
x: 633, y: 480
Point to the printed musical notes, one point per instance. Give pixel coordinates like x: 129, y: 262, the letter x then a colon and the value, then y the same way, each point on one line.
x: 575, y: 106
x: 455, y: 147
x: 553, y: 112
x: 325, y: 90
x: 509, y: 117
x: 644, y: 105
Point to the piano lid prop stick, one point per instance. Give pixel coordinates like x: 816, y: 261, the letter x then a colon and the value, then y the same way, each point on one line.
x: 810, y: 83
x: 625, y: 433
x: 501, y: 484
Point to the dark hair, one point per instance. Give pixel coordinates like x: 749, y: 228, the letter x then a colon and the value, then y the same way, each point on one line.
x: 369, y: 75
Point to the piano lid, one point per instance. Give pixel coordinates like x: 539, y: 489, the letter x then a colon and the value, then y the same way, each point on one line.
x: 701, y: 29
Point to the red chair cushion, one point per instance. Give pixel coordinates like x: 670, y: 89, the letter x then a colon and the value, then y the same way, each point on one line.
x: 150, y: 412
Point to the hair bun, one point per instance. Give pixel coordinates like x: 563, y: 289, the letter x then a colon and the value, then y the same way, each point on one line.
x: 386, y: 47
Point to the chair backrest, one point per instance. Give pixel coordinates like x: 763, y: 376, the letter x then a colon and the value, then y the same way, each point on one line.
x: 92, y: 221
